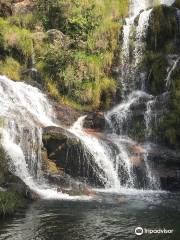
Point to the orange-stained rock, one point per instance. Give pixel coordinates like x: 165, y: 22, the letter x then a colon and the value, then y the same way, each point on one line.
x: 136, y: 149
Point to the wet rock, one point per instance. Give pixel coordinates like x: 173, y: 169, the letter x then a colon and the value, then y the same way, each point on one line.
x: 70, y: 155
x: 166, y: 163
x: 165, y: 156
x: 65, y: 114
x: 95, y: 121
x: 16, y: 185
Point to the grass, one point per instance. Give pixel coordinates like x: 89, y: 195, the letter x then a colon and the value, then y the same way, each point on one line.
x: 11, y: 68
x: 9, y: 202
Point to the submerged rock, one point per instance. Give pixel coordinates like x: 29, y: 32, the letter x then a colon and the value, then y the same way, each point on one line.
x: 70, y: 155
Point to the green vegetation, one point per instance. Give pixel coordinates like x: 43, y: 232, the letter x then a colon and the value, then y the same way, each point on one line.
x: 15, y: 49
x: 162, y: 40
x: 77, y: 68
x: 162, y: 29
x: 170, y: 126
x: 11, y: 68
x: 157, y: 74
x: 9, y: 202
x: 75, y: 44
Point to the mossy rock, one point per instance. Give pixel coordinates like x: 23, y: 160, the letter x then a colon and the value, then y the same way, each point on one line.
x: 156, y: 64
x: 163, y: 26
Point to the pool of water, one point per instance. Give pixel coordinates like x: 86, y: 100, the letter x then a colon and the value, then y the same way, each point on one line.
x: 108, y: 217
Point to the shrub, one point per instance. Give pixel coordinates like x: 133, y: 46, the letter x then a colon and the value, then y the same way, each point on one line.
x: 17, y: 42
x: 11, y: 68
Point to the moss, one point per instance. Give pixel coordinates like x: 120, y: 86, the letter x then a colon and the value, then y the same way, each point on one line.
x: 163, y: 28
x: 169, y: 131
x: 157, y: 68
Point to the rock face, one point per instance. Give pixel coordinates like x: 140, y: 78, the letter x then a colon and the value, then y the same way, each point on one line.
x: 166, y: 163
x: 65, y: 114
x: 70, y: 155
x: 95, y: 121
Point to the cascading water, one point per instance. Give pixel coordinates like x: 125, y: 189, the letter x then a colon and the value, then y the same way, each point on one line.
x: 101, y: 155
x: 24, y: 110
x: 168, y: 79
x: 130, y: 58
x: 120, y: 118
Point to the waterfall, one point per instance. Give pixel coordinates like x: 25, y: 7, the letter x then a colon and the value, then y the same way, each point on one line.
x: 168, y: 79
x: 129, y: 66
x: 167, y: 2
x: 120, y: 117
x: 25, y: 110
x: 149, y: 118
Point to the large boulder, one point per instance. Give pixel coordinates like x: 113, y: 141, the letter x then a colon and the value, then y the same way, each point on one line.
x: 70, y: 155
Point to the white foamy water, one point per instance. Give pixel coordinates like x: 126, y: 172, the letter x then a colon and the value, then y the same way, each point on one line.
x: 168, y: 79
x: 100, y: 153
x: 24, y: 110
x: 128, y: 67
x: 122, y: 112
x: 140, y: 35
x: 167, y: 2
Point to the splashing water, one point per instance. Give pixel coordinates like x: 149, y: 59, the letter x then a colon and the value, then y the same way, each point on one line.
x: 101, y: 154
x: 25, y: 110
x: 168, y: 79
x: 129, y: 66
